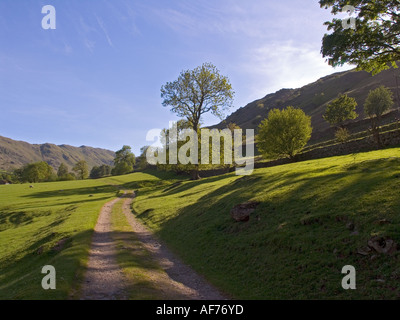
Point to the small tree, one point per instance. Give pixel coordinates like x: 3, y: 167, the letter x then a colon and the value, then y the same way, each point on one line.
x: 95, y: 173
x: 341, y: 109
x: 342, y: 135
x: 100, y: 171
x: 197, y: 92
x: 284, y: 132
x: 63, y: 174
x: 142, y: 161
x: 124, y: 161
x: 81, y: 169
x: 62, y: 171
x: 105, y: 170
x: 377, y: 103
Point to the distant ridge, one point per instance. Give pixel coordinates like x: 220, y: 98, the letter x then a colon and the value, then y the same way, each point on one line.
x: 14, y: 154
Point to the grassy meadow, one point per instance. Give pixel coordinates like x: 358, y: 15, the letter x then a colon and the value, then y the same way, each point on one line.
x: 293, y: 247
x: 298, y: 239
x: 52, y: 224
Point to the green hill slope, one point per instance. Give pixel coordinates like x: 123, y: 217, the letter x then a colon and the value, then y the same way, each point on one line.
x: 314, y: 97
x: 314, y: 218
x: 14, y: 154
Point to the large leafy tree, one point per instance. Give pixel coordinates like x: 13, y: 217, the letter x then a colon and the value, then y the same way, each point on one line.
x: 341, y: 109
x: 36, y: 172
x: 284, y: 133
x: 197, y: 92
x: 377, y: 103
x: 374, y: 43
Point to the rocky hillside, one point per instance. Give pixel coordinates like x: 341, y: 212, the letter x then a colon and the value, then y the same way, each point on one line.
x: 14, y: 154
x: 314, y: 97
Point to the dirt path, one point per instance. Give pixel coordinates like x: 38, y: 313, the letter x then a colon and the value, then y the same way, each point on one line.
x: 104, y: 280
x: 190, y: 284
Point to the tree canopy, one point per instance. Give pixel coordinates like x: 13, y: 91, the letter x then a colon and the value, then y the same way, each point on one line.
x: 284, y: 133
x: 124, y: 161
x: 62, y: 170
x: 81, y: 169
x: 197, y: 92
x: 374, y: 43
x: 35, y: 172
x: 377, y: 103
x: 100, y: 171
x: 341, y: 109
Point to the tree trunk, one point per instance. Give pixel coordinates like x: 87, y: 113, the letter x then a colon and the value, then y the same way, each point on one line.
x: 375, y: 131
x: 377, y: 136
x: 194, y: 174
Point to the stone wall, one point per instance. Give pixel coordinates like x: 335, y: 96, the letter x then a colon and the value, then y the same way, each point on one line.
x: 389, y: 139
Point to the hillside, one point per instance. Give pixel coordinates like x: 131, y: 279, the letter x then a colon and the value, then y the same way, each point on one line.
x: 14, y: 154
x: 313, y: 218
x: 314, y: 97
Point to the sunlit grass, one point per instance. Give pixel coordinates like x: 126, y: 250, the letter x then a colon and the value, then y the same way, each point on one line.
x: 34, y: 220
x: 297, y: 240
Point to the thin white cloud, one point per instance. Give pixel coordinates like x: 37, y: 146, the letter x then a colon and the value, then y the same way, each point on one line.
x: 103, y: 28
x: 177, y: 20
x: 85, y: 27
x: 89, y: 44
x: 231, y: 18
x: 285, y: 65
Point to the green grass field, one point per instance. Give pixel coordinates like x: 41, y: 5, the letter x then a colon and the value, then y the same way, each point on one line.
x: 34, y: 220
x: 297, y: 240
x: 294, y: 245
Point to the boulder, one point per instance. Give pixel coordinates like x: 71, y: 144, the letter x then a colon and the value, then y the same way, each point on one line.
x: 382, y: 245
x: 60, y: 245
x: 40, y: 250
x: 242, y: 211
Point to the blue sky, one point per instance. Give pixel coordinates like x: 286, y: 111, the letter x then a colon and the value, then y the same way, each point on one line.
x: 96, y: 79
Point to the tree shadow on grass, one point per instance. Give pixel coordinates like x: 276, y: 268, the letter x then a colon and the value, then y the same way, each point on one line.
x: 75, y: 202
x: 350, y: 192
x: 21, y: 273
x: 187, y: 185
x: 72, y: 192
x: 147, y: 281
